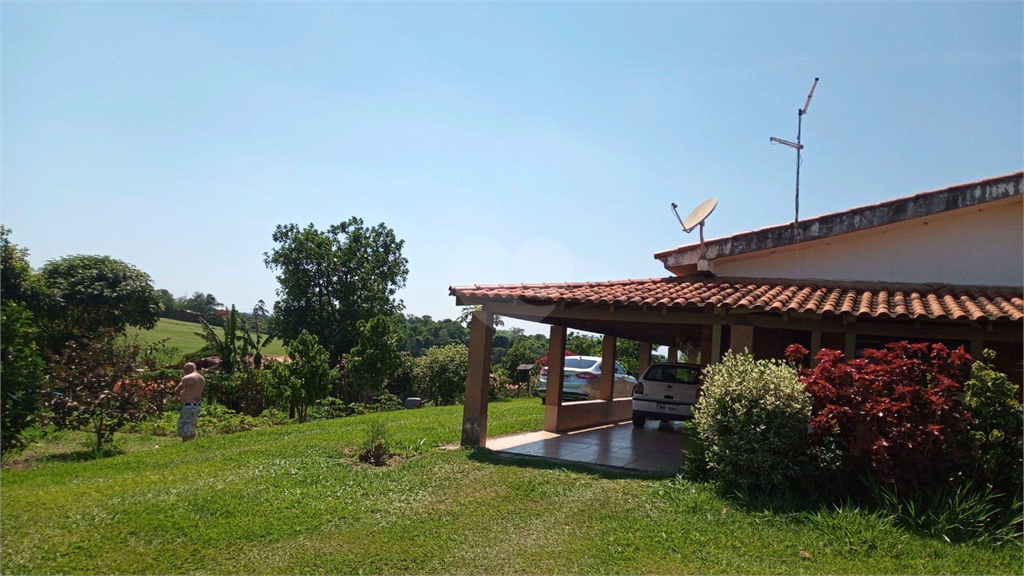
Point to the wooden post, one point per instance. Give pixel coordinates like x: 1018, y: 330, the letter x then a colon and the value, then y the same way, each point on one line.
x: 606, y: 391
x: 706, y: 336
x: 815, y: 345
x: 556, y: 369
x: 851, y: 346
x: 673, y: 355
x: 478, y: 376
x: 644, y: 361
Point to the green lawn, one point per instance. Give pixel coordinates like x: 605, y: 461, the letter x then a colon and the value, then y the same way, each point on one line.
x: 292, y: 499
x: 183, y: 337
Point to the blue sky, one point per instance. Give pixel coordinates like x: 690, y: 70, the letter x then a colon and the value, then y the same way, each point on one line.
x: 527, y: 142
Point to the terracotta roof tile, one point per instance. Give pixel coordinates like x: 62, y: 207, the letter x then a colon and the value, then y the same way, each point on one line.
x: 775, y: 295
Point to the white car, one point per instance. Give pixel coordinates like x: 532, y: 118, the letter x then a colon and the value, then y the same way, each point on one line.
x: 666, y: 392
x: 581, y: 379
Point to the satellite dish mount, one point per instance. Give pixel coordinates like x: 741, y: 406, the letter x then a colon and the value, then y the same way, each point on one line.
x: 694, y: 220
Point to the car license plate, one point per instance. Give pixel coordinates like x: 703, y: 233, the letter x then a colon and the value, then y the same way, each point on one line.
x: 668, y: 407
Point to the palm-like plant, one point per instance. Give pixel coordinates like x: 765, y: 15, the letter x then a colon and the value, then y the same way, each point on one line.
x: 251, y: 340
x: 226, y: 348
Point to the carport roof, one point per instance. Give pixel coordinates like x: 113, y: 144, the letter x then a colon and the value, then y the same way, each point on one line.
x: 875, y: 300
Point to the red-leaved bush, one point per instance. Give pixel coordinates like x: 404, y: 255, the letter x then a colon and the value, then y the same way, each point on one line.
x: 896, y: 409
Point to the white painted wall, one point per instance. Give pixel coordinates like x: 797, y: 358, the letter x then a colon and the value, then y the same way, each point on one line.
x: 982, y: 245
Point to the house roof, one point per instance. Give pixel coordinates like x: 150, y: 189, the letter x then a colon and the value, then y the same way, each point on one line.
x: 876, y: 300
x: 855, y: 219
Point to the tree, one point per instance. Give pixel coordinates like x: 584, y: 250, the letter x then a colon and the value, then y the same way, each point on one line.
x: 91, y: 294
x: 18, y: 284
x: 21, y: 371
x: 305, y: 378
x: 200, y: 305
x: 330, y: 280
x: 94, y: 386
x: 376, y: 357
x: 521, y: 352
x: 423, y: 333
x: 442, y: 373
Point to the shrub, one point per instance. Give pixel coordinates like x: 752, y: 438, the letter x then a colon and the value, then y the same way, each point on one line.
x: 752, y: 419
x: 441, y: 373
x: 94, y: 385
x: 895, y: 410
x: 376, y: 447
x: 994, y: 440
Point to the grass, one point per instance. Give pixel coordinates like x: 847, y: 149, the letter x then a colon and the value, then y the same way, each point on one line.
x: 294, y: 499
x: 183, y: 337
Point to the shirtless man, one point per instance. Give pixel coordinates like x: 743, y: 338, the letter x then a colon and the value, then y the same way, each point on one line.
x: 190, y: 392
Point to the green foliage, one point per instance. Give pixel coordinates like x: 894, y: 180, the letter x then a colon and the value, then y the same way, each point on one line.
x: 466, y: 316
x: 94, y: 385
x: 90, y: 294
x: 18, y: 284
x: 962, y: 513
x: 226, y: 348
x: 246, y: 391
x: 423, y: 333
x: 331, y: 280
x: 21, y: 372
x: 214, y: 419
x: 523, y: 351
x: 376, y: 446
x: 251, y: 340
x: 376, y: 357
x: 994, y: 434
x: 441, y: 373
x: 752, y: 417
x: 192, y: 308
x: 305, y: 378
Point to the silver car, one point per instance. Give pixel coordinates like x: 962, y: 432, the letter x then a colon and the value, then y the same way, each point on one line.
x: 666, y: 392
x: 581, y: 379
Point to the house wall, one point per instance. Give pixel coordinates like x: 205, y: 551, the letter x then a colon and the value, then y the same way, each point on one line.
x: 980, y: 245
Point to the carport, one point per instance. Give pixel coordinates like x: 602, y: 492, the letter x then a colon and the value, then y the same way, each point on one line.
x: 710, y: 315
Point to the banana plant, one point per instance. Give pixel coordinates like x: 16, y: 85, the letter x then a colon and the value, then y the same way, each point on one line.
x: 227, y: 347
x: 251, y: 340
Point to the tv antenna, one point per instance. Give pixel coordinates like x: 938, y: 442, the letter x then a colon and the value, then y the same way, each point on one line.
x: 799, y: 124
x: 695, y: 219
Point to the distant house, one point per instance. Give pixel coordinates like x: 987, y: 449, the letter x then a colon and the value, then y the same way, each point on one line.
x: 941, y: 266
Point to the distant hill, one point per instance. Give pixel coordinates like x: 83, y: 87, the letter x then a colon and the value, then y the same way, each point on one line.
x: 183, y: 337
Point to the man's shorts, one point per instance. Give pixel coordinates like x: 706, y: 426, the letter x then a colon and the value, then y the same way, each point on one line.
x: 187, y: 419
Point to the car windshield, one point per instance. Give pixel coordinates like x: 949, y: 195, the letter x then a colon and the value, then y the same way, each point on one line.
x: 579, y: 363
x: 673, y: 374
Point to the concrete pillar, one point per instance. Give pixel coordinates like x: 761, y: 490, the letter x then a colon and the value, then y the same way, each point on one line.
x: 673, y: 355
x: 716, y: 344
x: 851, y: 346
x: 478, y: 375
x: 741, y: 338
x: 815, y: 345
x: 645, y: 358
x: 607, y: 382
x: 556, y: 369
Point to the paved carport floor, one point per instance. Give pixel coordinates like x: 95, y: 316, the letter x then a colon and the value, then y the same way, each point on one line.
x: 653, y: 448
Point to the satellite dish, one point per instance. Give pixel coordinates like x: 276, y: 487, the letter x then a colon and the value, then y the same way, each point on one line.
x: 699, y: 214
x: 695, y: 219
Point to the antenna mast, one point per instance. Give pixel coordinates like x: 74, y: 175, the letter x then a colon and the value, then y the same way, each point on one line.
x: 799, y: 127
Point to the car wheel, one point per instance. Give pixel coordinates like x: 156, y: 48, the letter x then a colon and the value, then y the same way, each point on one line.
x: 639, y: 421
